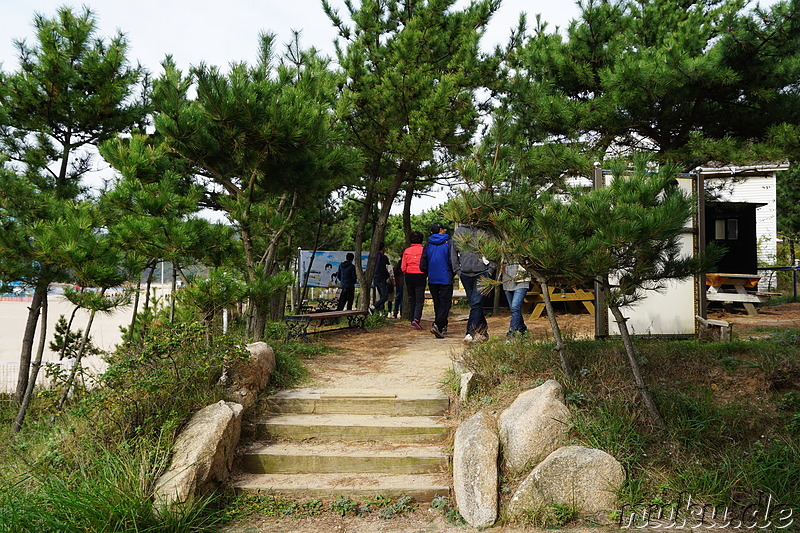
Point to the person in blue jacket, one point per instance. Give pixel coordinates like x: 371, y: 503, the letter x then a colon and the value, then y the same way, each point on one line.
x: 436, y: 263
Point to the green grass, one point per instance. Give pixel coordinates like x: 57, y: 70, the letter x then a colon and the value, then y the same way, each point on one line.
x: 273, y: 506
x: 110, y: 492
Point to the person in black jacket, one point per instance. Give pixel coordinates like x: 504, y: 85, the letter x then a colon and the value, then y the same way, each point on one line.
x: 347, y: 280
x: 473, y: 269
x: 381, y: 279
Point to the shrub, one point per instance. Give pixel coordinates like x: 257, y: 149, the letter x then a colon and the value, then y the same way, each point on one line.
x: 159, y: 386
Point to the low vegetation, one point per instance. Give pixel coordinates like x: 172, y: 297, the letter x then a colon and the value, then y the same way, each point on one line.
x: 91, y: 467
x: 732, y: 413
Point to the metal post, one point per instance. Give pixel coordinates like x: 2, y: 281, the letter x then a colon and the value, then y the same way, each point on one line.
x: 700, y: 240
x: 600, y: 311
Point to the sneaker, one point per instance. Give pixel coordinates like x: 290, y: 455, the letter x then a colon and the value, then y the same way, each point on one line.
x: 371, y: 309
x: 415, y: 324
x: 436, y: 332
x: 468, y: 338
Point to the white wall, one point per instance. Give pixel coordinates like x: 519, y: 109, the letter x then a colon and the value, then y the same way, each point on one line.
x: 672, y: 310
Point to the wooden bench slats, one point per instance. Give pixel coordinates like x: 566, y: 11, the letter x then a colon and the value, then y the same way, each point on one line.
x: 297, y: 325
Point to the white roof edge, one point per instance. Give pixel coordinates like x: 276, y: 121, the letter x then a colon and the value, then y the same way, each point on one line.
x: 734, y: 169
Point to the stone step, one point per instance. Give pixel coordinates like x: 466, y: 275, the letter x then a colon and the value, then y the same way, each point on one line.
x: 421, y: 487
x: 352, y: 427
x: 325, y: 457
x: 395, y: 402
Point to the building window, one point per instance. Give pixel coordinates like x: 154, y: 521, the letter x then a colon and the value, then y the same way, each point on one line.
x: 726, y: 229
x: 719, y: 230
x: 732, y: 232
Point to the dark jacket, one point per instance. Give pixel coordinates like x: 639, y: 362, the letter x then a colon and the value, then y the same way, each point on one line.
x: 436, y: 260
x: 347, y: 275
x: 381, y: 269
x: 468, y: 263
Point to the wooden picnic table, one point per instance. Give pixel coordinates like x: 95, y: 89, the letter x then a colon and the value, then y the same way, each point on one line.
x: 574, y: 295
x: 297, y: 325
x: 733, y: 288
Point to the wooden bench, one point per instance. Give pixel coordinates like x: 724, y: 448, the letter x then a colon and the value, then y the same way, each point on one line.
x: 576, y: 295
x: 298, y: 324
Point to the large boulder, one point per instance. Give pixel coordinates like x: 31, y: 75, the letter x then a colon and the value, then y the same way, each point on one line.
x: 202, y: 457
x: 475, y: 469
x: 583, y: 478
x: 246, y: 378
x: 535, y: 425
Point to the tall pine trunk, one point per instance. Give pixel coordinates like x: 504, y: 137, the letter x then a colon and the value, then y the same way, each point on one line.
x: 560, y: 347
x: 81, y: 350
x: 37, y: 364
x: 39, y: 295
x: 641, y: 386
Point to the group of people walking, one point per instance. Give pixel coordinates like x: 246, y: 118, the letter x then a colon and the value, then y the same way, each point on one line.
x: 436, y: 263
x: 439, y: 261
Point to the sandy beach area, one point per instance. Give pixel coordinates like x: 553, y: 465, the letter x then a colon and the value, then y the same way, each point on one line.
x: 13, y: 315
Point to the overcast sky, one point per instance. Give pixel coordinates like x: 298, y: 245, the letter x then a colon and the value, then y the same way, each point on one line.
x: 221, y: 31
x: 218, y: 32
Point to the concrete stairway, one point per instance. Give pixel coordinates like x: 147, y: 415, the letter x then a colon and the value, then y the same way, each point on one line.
x: 325, y: 443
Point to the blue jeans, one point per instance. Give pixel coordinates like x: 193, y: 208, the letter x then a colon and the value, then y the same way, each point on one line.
x: 383, y: 294
x: 477, y: 320
x: 515, y: 300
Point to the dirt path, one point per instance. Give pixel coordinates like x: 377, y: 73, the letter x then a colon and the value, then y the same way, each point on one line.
x: 398, y: 356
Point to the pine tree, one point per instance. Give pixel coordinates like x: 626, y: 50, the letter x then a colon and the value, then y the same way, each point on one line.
x: 411, y: 70
x: 72, y: 90
x: 632, y: 229
x: 688, y: 81
x: 264, y: 140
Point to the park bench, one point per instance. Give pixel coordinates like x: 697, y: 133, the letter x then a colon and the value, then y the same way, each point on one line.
x: 298, y: 325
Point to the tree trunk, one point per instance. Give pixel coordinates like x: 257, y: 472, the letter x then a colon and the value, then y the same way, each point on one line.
x: 407, y: 232
x: 136, y: 302
x: 74, y: 371
x: 149, y: 285
x: 37, y: 364
x: 172, y: 294
x: 359, y: 239
x: 560, y: 348
x: 66, y: 333
x: 622, y: 324
x: 304, y: 289
x: 81, y: 350
x: 39, y: 295
x: 378, y: 234
x: 259, y: 322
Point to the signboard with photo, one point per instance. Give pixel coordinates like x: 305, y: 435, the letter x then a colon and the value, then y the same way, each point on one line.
x: 321, y: 266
